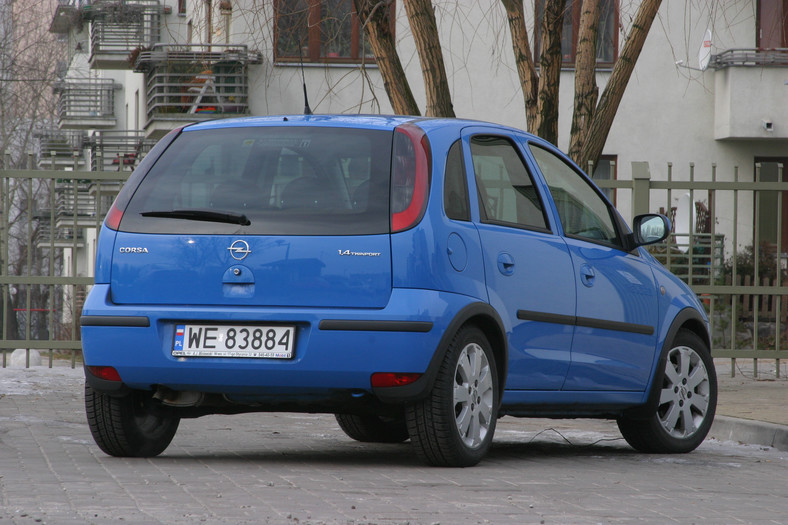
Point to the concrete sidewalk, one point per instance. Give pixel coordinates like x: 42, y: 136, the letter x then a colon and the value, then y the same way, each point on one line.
x: 752, y: 410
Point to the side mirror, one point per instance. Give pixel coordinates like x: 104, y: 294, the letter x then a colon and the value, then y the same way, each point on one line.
x: 649, y: 229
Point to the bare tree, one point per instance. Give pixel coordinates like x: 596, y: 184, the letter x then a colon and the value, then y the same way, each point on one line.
x: 29, y: 55
x: 602, y: 119
x: 425, y: 34
x: 376, y: 18
x: 591, y: 120
x: 28, y: 61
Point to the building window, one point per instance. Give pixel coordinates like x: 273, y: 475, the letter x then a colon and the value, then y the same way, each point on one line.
x: 607, y: 36
x: 772, y: 24
x: 320, y: 31
x: 181, y: 7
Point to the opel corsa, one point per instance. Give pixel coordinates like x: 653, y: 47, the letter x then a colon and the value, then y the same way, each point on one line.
x: 418, y: 278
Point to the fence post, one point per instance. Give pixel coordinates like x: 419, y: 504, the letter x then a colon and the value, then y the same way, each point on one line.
x: 641, y: 176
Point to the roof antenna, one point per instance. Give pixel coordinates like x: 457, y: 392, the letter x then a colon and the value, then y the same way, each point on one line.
x: 307, y: 109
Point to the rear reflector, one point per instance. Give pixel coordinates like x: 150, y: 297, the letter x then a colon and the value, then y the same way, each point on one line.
x: 387, y: 379
x: 106, y: 373
x: 410, y: 177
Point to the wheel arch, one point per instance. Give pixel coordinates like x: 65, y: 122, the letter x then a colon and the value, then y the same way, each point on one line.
x: 689, y: 319
x: 481, y: 315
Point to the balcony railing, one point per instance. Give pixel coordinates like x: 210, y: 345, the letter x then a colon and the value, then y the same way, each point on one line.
x: 85, y: 104
x: 749, y: 94
x: 118, y: 150
x: 186, y: 83
x: 118, y: 28
x: 60, y: 149
x: 750, y: 57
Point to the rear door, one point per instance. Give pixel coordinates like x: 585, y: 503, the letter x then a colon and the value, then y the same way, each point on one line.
x: 528, y: 269
x: 275, y: 216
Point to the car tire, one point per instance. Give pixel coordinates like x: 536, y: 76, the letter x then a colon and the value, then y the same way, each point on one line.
x: 454, y: 425
x: 687, y: 401
x: 132, y: 425
x: 373, y: 429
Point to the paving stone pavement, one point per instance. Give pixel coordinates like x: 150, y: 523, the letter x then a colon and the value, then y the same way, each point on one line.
x: 301, y: 469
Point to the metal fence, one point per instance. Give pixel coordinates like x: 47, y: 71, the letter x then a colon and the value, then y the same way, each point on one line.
x: 50, y: 222
x: 723, y: 253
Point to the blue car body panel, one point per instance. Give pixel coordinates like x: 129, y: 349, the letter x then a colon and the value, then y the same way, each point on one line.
x: 340, y: 291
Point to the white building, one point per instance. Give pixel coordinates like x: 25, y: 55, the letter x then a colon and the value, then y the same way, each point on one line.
x: 139, y: 68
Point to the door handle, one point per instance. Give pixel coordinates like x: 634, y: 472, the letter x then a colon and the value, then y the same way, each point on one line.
x: 505, y: 263
x: 587, y: 275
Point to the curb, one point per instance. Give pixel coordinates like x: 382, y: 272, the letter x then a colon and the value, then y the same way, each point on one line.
x: 750, y: 432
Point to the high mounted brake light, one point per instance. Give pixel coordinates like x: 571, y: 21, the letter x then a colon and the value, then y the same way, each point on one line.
x: 410, y: 176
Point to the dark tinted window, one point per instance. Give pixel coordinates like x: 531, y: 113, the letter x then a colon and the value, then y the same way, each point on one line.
x: 506, y: 191
x: 455, y: 186
x: 285, y: 180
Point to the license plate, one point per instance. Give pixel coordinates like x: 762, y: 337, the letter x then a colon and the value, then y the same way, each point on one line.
x: 266, y: 342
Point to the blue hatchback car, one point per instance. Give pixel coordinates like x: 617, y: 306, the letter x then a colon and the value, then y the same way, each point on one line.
x: 419, y: 278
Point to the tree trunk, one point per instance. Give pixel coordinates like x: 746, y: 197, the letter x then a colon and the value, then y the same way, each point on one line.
x: 523, y: 58
x: 376, y: 19
x: 546, y: 124
x: 424, y: 29
x: 586, y: 90
x: 614, y: 91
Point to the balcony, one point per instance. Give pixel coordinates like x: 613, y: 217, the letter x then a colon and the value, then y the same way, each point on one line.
x: 47, y: 236
x: 118, y: 28
x: 188, y: 83
x: 60, y: 149
x: 749, y: 94
x: 118, y: 150
x: 86, y: 104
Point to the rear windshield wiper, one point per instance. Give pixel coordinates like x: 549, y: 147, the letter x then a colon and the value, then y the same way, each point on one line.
x: 201, y: 215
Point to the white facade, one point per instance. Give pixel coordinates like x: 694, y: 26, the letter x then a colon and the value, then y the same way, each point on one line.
x: 670, y: 113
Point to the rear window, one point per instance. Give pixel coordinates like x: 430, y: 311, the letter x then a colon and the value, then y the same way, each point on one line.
x: 283, y: 180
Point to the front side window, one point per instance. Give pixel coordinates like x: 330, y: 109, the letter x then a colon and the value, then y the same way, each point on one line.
x: 607, y: 35
x: 507, y: 194
x: 319, y: 31
x: 583, y: 212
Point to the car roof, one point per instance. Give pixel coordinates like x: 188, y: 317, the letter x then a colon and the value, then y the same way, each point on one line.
x: 382, y: 122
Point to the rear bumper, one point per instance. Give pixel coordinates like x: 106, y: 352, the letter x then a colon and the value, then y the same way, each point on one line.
x: 336, y: 349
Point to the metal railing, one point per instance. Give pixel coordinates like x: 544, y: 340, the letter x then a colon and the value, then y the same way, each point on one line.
x: 48, y: 227
x: 118, y: 28
x: 198, y: 81
x: 81, y: 103
x: 48, y: 220
x: 118, y: 150
x: 750, y: 58
x: 743, y: 290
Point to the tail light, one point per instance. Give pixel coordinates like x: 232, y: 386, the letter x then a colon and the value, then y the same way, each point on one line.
x: 410, y: 177
x: 114, y: 216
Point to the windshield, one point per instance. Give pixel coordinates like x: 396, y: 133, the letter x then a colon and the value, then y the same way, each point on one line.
x: 267, y: 180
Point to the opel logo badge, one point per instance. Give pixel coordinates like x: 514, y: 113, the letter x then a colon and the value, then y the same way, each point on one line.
x: 239, y: 250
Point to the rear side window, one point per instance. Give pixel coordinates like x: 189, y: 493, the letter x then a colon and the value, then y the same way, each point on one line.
x: 455, y: 186
x: 506, y: 191
x: 284, y: 180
